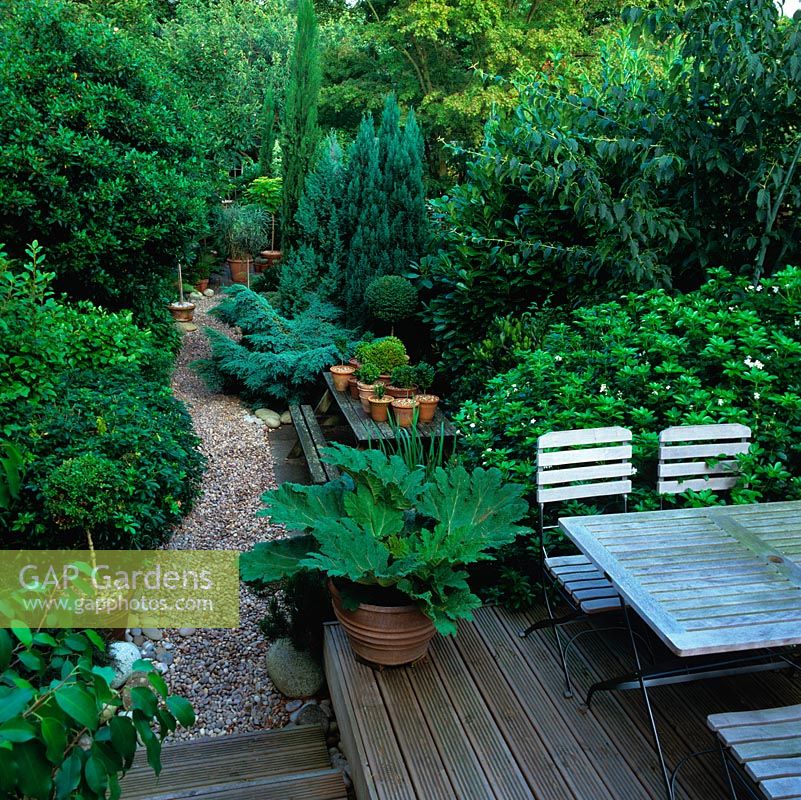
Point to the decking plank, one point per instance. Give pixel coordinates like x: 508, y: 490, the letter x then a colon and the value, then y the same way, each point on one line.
x: 451, y: 736
x: 547, y: 777
x: 494, y: 756
x: 384, y: 759
x: 307, y: 443
x: 424, y: 763
x: 619, y: 766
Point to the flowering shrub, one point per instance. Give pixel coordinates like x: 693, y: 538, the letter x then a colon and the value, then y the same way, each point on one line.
x: 730, y: 352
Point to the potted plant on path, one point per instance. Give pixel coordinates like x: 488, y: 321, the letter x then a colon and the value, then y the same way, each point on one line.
x: 183, y: 310
x: 242, y: 231
x: 394, y: 541
x: 266, y: 193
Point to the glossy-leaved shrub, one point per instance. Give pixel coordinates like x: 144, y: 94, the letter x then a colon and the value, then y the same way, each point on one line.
x: 66, y: 733
x: 727, y: 353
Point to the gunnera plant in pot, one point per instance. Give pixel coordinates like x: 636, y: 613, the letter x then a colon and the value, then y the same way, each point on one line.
x: 424, y: 377
x: 394, y: 541
x: 242, y: 231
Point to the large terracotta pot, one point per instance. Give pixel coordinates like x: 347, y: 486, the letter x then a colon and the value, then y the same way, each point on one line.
x: 403, y: 408
x: 182, y: 312
x: 239, y: 269
x: 379, y: 408
x: 386, y: 636
x: 365, y: 391
x: 340, y: 374
x: 396, y: 391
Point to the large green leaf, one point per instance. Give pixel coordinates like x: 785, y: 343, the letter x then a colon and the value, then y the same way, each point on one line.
x: 123, y: 737
x: 272, y: 561
x: 33, y: 771
x: 182, y: 710
x: 347, y: 550
x: 379, y: 519
x: 17, y: 730
x: 6, y: 648
x: 55, y: 739
x: 13, y: 702
x: 299, y: 507
x: 79, y: 704
x: 69, y: 775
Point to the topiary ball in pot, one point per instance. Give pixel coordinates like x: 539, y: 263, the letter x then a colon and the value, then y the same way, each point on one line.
x: 391, y: 298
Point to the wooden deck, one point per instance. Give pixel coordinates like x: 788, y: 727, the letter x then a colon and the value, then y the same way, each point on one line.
x: 483, y: 717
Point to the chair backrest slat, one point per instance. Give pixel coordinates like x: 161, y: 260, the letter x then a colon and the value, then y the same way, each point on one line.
x: 693, y: 457
x: 583, y: 464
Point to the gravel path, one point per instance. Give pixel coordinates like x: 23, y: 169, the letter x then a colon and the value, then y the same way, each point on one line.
x: 221, y: 672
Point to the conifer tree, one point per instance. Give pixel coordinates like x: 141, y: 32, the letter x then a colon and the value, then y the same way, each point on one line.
x: 268, y: 134
x: 319, y: 221
x: 367, y: 216
x: 415, y: 217
x: 300, y: 131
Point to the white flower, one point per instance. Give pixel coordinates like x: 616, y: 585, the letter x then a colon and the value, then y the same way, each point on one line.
x: 472, y: 424
x: 758, y: 364
x: 759, y: 288
x: 757, y: 395
x: 775, y: 290
x: 603, y: 388
x: 731, y: 309
x: 797, y: 322
x: 533, y: 421
x: 721, y: 402
x: 634, y: 470
x: 488, y: 450
x: 749, y: 288
x: 557, y: 358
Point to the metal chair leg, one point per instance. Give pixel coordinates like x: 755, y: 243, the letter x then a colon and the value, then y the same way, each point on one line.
x: 727, y: 771
x: 568, y: 690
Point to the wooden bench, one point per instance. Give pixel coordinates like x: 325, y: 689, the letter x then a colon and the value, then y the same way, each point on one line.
x: 312, y: 441
x: 767, y: 746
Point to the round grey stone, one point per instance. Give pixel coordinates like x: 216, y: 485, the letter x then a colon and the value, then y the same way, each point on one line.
x: 272, y: 419
x: 122, y: 656
x: 293, y: 705
x: 154, y: 634
x: 294, y: 673
x: 195, y: 296
x: 208, y: 292
x: 286, y: 418
x: 311, y: 714
x: 186, y: 631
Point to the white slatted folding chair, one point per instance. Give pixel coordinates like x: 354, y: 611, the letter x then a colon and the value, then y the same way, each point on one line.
x: 762, y: 751
x: 700, y: 457
x: 579, y: 465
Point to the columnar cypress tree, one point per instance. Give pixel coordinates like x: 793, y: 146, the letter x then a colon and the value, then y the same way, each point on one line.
x: 415, y: 218
x: 319, y: 221
x: 300, y: 131
x: 268, y: 133
x: 365, y: 204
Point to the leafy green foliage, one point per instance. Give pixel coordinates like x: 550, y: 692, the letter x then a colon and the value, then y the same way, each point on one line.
x: 726, y: 353
x: 300, y: 131
x: 64, y: 731
x: 130, y: 440
x: 423, y: 376
x: 646, y: 174
x: 120, y: 184
x: 391, y: 298
x: 386, y: 524
x: 242, y: 230
x: 277, y: 358
x: 266, y: 192
x: 85, y: 398
x: 404, y: 377
x: 385, y: 354
x: 368, y: 373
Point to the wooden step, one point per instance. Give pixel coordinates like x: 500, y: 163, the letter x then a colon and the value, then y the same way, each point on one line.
x: 227, y: 760
x: 323, y: 784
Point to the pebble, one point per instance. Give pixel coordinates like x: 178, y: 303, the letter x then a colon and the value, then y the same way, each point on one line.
x: 154, y: 634
x: 208, y: 292
x: 293, y: 705
x: 186, y: 631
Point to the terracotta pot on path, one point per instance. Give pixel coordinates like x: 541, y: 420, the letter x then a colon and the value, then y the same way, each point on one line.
x: 428, y: 406
x: 239, y: 269
x: 340, y: 374
x: 386, y: 636
x: 182, y: 312
x: 403, y: 408
x: 202, y: 285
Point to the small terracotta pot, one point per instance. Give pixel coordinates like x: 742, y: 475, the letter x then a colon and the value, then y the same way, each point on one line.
x: 239, y: 269
x: 365, y: 392
x: 340, y: 374
x: 385, y: 636
x: 201, y: 286
x: 379, y: 408
x: 182, y: 312
x: 353, y: 386
x: 403, y: 408
x: 428, y: 406
x: 354, y: 362
x: 272, y: 257
x: 396, y: 391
